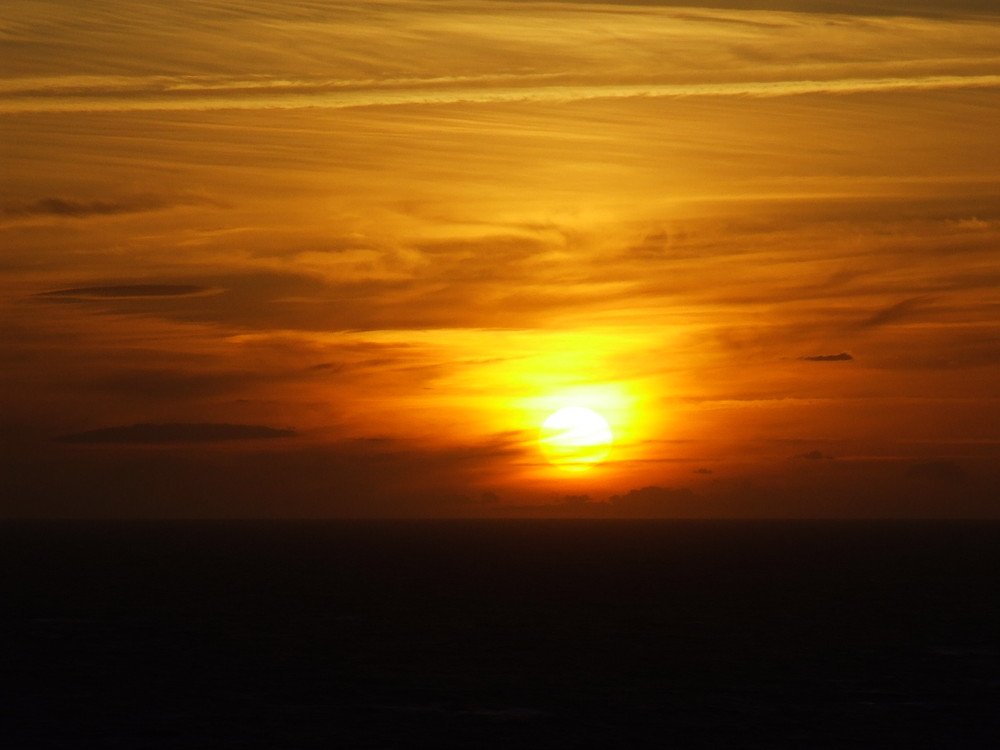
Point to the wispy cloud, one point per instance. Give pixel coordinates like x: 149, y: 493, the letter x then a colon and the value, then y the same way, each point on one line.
x: 285, y: 95
x: 76, y: 208
x: 842, y: 357
x: 128, y: 291
x: 406, y: 53
x: 900, y: 311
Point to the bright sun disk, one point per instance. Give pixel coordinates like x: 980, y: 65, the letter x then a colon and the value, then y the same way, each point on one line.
x: 575, y: 438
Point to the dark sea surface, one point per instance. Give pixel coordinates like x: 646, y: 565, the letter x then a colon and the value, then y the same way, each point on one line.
x: 500, y: 634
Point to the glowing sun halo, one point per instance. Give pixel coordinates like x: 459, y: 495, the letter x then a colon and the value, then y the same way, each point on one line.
x: 575, y: 438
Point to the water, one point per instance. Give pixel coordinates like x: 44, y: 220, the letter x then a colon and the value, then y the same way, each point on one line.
x: 500, y: 634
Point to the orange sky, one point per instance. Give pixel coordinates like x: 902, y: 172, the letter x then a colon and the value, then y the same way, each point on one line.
x: 343, y: 259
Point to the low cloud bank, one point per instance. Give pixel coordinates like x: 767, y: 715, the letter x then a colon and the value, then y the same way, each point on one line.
x: 842, y: 357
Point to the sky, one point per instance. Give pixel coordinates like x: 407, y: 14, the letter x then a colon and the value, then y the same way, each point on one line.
x: 317, y: 259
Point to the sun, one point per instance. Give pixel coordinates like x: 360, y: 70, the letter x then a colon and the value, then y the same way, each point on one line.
x: 575, y: 438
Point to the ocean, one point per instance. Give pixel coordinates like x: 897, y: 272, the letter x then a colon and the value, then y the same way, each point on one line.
x: 523, y: 634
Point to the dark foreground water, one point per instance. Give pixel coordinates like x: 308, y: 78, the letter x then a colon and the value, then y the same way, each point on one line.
x: 507, y: 634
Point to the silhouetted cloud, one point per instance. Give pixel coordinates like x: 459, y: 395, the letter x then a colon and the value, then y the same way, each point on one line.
x: 702, y: 471
x: 813, y: 455
x: 938, y: 471
x: 176, y: 433
x: 895, y: 313
x: 75, y: 208
x: 127, y: 291
x: 842, y: 357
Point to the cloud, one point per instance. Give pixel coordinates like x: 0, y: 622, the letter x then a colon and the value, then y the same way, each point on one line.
x: 895, y: 313
x: 129, y: 57
x: 74, y: 208
x: 142, y: 434
x: 447, y: 294
x: 309, y: 95
x: 931, y: 8
x: 842, y: 357
x: 264, y: 299
x: 128, y: 291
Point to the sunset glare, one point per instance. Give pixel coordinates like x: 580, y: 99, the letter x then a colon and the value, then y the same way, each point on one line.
x: 575, y: 438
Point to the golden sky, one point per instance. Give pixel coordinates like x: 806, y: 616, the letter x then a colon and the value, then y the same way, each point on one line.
x: 308, y: 258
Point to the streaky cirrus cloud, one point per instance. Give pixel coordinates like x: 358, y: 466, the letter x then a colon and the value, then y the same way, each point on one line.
x: 77, y: 209
x: 128, y: 291
x: 842, y: 357
x: 210, y: 57
x: 933, y: 8
x: 900, y: 311
x: 309, y: 95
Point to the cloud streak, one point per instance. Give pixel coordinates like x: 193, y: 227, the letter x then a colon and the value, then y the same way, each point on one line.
x: 282, y: 95
x: 74, y: 208
x: 842, y: 357
x: 128, y: 291
x: 896, y: 313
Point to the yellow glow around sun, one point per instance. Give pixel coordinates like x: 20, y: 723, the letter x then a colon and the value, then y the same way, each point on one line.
x: 575, y: 438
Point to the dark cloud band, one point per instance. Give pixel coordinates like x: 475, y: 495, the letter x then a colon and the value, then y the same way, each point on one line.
x: 125, y: 291
x: 842, y: 357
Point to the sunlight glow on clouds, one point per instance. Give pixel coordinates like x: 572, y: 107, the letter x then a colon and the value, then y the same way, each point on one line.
x: 401, y: 233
